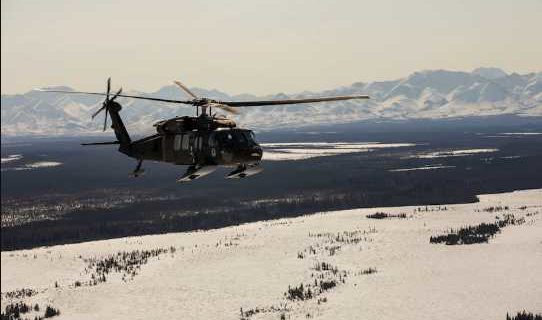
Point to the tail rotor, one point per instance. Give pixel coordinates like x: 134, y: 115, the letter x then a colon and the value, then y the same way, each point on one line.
x: 107, y: 102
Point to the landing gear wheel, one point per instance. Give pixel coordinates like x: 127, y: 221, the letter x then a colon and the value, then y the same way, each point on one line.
x: 138, y: 171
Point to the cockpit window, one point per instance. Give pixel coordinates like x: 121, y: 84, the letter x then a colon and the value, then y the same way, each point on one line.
x: 249, y: 135
x: 240, y: 137
x: 211, y: 141
x: 237, y: 137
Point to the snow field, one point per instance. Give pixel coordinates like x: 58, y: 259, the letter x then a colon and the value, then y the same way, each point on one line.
x: 213, y: 274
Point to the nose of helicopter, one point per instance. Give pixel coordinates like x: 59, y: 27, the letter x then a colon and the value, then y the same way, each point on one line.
x: 256, y: 152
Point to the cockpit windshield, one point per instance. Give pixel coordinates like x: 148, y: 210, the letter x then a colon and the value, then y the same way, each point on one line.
x: 249, y: 135
x: 235, y: 137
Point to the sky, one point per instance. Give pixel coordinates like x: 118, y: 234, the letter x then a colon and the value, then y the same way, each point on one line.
x: 259, y: 46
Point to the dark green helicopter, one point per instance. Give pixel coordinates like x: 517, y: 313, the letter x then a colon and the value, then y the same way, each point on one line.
x: 203, y: 142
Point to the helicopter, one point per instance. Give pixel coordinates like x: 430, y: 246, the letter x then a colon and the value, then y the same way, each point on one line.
x: 204, y: 142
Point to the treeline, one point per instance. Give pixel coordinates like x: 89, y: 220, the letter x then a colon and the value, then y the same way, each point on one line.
x: 20, y: 293
x: 524, y: 315
x: 384, y: 215
x: 468, y: 235
x: 16, y: 311
x: 128, y: 263
x: 476, y: 234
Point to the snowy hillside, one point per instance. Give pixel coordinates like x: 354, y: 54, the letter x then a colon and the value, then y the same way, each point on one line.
x: 426, y: 94
x: 335, y: 265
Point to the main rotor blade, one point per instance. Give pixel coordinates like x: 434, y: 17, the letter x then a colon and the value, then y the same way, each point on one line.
x: 224, y: 107
x: 100, y: 143
x: 185, y: 89
x: 289, y: 101
x: 227, y: 103
x: 120, y: 95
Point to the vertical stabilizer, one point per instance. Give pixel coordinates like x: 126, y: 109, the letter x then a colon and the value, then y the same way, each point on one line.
x: 118, y: 126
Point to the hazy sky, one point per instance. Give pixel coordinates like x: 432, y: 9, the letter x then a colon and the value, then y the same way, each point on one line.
x: 260, y: 46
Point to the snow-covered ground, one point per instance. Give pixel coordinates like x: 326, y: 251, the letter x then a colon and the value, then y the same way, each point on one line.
x: 422, y: 168
x: 29, y: 166
x: 43, y: 164
x: 453, y: 153
x: 306, y: 150
x: 522, y: 133
x: 11, y: 157
x: 213, y: 274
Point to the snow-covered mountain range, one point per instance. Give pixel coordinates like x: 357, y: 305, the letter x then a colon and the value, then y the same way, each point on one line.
x: 430, y: 94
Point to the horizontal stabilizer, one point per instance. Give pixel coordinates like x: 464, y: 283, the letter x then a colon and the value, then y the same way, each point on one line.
x: 100, y: 143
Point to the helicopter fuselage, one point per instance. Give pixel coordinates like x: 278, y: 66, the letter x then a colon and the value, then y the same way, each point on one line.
x: 222, y: 147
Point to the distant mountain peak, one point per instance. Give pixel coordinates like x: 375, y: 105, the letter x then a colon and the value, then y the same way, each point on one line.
x: 490, y: 73
x: 66, y: 88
